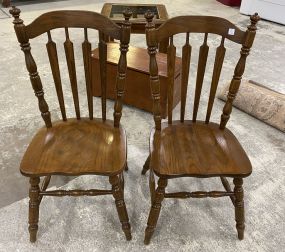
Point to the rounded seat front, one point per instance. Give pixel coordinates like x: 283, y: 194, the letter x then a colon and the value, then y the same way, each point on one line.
x: 198, y: 150
x: 75, y: 147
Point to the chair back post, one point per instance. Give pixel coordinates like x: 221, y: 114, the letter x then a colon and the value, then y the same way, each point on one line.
x: 23, y: 39
x: 239, y: 70
x: 122, y: 67
x: 153, y: 69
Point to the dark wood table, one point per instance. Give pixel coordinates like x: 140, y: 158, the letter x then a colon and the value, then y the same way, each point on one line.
x: 114, y: 11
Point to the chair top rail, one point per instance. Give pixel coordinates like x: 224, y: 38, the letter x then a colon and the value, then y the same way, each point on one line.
x: 74, y: 19
x: 200, y: 24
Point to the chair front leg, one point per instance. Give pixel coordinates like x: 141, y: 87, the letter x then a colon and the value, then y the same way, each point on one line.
x: 146, y: 165
x: 239, y: 207
x: 155, y: 210
x: 118, y: 194
x: 122, y: 179
x: 34, y: 207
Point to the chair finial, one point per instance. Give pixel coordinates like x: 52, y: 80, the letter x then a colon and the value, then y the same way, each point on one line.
x: 253, y: 19
x: 149, y: 16
x: 15, y: 12
x: 127, y: 14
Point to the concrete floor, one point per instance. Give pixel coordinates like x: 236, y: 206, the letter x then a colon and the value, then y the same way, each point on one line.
x: 15, y: 135
x: 91, y: 224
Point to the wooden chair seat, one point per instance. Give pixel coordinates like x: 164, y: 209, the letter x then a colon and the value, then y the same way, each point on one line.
x: 197, y: 149
x: 76, y: 147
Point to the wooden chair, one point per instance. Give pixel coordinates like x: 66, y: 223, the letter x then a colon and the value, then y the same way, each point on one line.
x: 79, y: 145
x: 193, y: 148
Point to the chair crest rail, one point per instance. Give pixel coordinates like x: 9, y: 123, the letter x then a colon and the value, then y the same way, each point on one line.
x: 73, y: 19
x: 201, y: 24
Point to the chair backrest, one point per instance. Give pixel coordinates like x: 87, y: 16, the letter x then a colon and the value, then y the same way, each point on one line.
x: 204, y: 25
x: 74, y: 19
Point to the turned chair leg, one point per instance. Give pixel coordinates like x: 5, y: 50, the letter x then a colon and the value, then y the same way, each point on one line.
x: 118, y: 194
x: 34, y: 208
x: 146, y: 166
x: 122, y: 179
x: 152, y: 186
x: 155, y: 210
x: 126, y: 167
x: 239, y: 207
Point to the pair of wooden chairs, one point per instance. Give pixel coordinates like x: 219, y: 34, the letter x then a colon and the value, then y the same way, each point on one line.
x: 97, y: 146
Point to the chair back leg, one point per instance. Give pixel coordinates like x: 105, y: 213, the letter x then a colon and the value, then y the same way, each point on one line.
x: 155, y: 210
x: 146, y: 166
x: 152, y: 186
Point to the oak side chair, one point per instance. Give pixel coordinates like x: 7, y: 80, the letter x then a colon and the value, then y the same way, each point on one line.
x: 75, y: 146
x: 196, y: 148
